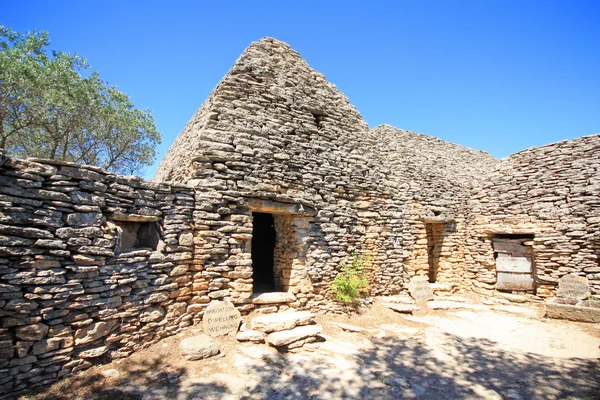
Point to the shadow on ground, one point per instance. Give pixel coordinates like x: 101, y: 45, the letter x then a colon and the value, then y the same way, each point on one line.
x: 392, y: 367
x: 397, y: 368
x: 154, y: 379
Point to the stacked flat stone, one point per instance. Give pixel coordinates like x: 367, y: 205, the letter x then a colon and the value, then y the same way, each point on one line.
x: 551, y: 192
x: 438, y: 178
x: 273, y: 302
x: 66, y: 297
x: 274, y: 131
x: 287, y: 331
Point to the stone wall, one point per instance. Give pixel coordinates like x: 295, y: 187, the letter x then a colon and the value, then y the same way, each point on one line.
x: 437, y: 178
x: 551, y: 192
x: 69, y: 291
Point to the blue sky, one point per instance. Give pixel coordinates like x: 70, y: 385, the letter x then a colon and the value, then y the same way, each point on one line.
x: 499, y: 76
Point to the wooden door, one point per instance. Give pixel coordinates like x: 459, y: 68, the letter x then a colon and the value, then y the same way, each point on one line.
x: 514, y: 264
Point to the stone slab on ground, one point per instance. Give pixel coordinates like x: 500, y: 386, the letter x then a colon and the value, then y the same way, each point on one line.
x: 572, y: 312
x: 284, y: 338
x: 347, y: 327
x: 199, y: 347
x: 403, y: 308
x: 514, y: 298
x: 397, y: 299
x: 251, y: 336
x: 281, y: 321
x: 519, y: 310
x: 453, y: 305
x: 458, y: 299
x: 274, y: 298
x: 440, y: 287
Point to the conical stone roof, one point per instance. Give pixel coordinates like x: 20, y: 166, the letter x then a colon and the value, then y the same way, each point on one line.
x: 270, y: 109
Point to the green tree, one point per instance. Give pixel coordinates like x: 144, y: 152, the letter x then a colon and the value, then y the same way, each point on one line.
x: 49, y: 110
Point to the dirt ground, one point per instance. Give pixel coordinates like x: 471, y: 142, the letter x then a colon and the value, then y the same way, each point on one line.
x: 469, y: 351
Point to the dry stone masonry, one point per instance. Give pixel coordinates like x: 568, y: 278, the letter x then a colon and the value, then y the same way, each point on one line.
x: 276, y: 137
x: 74, y: 286
x: 547, y: 199
x: 274, y: 183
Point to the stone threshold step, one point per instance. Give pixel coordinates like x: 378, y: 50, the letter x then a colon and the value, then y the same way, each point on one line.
x: 273, y: 298
x: 281, y: 321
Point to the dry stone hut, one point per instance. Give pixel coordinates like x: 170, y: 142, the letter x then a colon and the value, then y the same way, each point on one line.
x: 274, y: 183
x: 536, y: 219
x: 292, y: 182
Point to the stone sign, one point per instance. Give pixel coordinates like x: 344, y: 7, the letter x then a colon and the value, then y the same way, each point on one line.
x: 575, y: 287
x: 419, y: 289
x: 221, y: 318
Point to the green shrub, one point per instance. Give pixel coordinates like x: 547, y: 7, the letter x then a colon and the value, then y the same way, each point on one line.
x: 351, y: 284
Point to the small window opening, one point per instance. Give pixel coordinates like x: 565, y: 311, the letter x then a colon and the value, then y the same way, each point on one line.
x: 319, y: 118
x: 263, y: 246
x: 137, y: 235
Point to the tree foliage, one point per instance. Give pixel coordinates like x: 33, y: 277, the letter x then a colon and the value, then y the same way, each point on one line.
x: 49, y: 110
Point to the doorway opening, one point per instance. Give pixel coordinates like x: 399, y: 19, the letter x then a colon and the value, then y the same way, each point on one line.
x: 435, y: 238
x: 263, y: 251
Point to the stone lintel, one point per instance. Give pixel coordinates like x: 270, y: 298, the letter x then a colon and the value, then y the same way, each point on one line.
x: 133, y: 217
x: 277, y: 207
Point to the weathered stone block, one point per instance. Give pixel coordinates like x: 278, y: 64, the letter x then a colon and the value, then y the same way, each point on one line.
x: 94, y: 331
x: 284, y: 338
x: 94, y: 353
x: 282, y: 321
x: 274, y: 298
x: 31, y: 332
x: 46, y: 345
x: 251, y: 335
x: 157, y: 297
x: 198, y: 347
x: 572, y: 312
x: 152, y: 314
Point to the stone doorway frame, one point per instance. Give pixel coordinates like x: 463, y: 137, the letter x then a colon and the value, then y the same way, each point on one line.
x: 290, y: 219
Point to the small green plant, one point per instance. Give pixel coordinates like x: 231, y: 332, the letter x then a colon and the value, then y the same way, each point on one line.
x: 351, y: 284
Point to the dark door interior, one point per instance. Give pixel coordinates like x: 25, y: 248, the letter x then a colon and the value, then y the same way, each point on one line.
x: 263, y: 246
